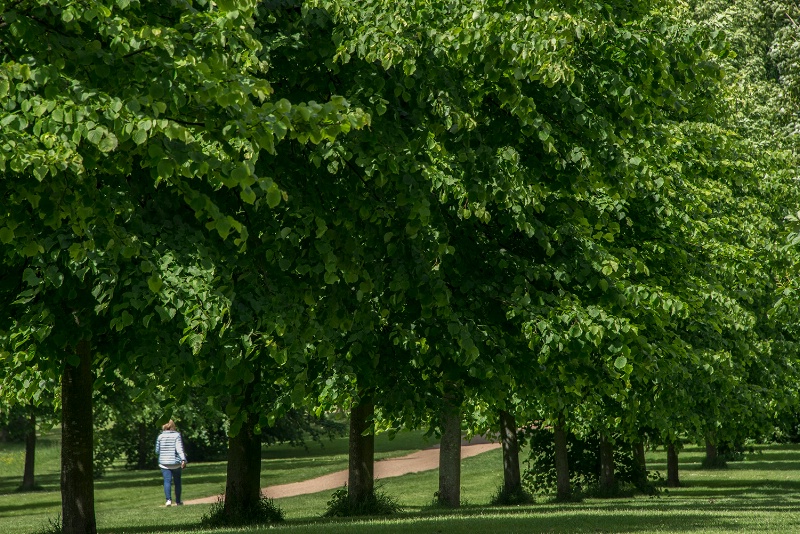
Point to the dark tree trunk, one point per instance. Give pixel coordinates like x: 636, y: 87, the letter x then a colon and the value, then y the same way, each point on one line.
x: 512, y: 480
x: 606, y: 466
x: 243, y: 483
x: 712, y: 456
x: 143, y: 447
x: 450, y: 456
x: 77, y: 482
x: 28, y: 480
x: 672, y: 467
x: 563, y: 488
x: 640, y: 463
x: 639, y: 457
x: 360, y: 480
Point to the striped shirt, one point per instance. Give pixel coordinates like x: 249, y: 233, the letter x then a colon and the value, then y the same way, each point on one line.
x: 169, y: 448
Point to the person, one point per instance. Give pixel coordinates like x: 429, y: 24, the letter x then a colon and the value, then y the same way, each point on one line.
x: 171, y: 460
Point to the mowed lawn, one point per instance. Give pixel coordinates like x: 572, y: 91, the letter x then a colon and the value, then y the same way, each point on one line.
x: 759, y: 494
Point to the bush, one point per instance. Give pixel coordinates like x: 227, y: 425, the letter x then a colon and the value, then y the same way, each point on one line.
x: 584, y: 467
x: 378, y: 503
x: 266, y: 511
x: 727, y: 451
x: 787, y: 429
x: 510, y: 498
x: 540, y: 473
x: 13, y: 426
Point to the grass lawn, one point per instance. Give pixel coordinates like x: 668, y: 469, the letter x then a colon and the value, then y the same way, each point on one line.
x: 760, y: 494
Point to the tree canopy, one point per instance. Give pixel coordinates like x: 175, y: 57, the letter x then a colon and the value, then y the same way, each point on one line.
x: 569, y: 212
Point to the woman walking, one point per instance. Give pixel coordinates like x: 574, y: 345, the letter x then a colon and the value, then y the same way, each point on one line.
x: 171, y: 459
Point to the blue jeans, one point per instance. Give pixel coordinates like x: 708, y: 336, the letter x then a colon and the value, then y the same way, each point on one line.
x: 171, y: 475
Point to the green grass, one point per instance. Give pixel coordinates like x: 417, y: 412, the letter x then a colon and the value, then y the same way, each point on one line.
x: 132, y: 499
x: 760, y: 494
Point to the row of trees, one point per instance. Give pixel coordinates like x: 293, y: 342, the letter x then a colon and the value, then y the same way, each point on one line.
x: 440, y: 214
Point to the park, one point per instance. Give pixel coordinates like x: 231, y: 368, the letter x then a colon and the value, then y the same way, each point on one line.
x: 757, y: 494
x: 319, y: 236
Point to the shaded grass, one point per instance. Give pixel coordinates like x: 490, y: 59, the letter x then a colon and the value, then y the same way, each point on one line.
x: 759, y: 494
x: 131, y: 500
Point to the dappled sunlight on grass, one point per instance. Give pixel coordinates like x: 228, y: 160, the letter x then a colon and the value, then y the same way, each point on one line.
x: 759, y: 494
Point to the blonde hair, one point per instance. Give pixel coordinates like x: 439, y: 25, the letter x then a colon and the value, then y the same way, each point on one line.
x: 169, y: 426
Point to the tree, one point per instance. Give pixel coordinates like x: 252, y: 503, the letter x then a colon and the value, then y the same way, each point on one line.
x: 494, y: 188
x: 96, y: 106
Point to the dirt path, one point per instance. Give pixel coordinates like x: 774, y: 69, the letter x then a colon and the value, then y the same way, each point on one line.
x: 423, y: 460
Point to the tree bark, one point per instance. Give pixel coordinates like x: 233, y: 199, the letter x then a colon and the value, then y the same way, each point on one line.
x: 28, y: 480
x: 243, y: 482
x: 361, y: 468
x: 606, y: 465
x: 712, y: 457
x: 77, y: 482
x: 450, y: 456
x: 672, y: 467
x: 640, y: 463
x: 563, y: 488
x: 512, y: 480
x: 143, y: 447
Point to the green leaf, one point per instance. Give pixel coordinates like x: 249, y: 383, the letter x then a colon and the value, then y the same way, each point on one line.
x: 280, y: 356
x: 298, y: 394
x: 30, y: 277
x: 273, y: 196
x: 139, y: 136
x: 108, y: 143
x: 154, y: 282
x: 165, y: 168
x: 95, y: 136
x: 240, y: 173
x: 6, y: 235
x: 223, y: 227
x: 621, y: 362
x: 32, y: 249
x: 248, y: 195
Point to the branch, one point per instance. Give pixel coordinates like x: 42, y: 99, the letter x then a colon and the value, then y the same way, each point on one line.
x: 364, y: 180
x: 48, y: 26
x: 186, y: 123
x: 788, y: 16
x: 135, y: 52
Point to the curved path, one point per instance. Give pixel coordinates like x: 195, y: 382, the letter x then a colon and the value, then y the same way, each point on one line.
x: 423, y: 460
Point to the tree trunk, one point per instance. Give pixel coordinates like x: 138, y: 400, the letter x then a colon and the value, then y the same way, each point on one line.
x: 563, y: 489
x: 360, y: 480
x: 77, y: 482
x: 450, y: 456
x: 28, y: 480
x: 672, y: 467
x: 243, y: 483
x: 606, y: 466
x: 640, y: 464
x: 512, y: 480
x: 143, y: 447
x: 712, y: 457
